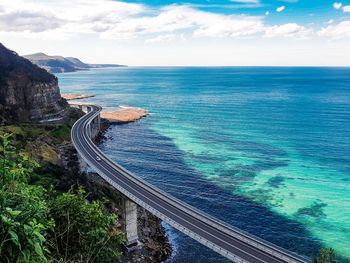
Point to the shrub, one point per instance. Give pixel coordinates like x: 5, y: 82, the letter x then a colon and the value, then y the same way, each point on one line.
x: 37, y: 226
x: 83, y: 230
x: 23, y: 209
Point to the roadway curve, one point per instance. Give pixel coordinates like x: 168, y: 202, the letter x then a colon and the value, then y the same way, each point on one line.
x: 230, y: 242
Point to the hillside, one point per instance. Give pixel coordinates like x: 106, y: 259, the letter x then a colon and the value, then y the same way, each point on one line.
x: 59, y: 64
x: 27, y: 92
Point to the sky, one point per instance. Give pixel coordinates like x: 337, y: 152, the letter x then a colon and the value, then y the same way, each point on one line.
x: 188, y: 33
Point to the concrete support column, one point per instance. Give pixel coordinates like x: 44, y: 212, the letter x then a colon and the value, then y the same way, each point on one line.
x: 81, y: 107
x: 99, y: 122
x: 131, y: 222
x: 94, y: 128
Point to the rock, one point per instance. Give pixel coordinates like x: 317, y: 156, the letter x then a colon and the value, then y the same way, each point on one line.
x: 77, y: 96
x: 124, y: 115
x: 27, y: 92
x: 155, y: 246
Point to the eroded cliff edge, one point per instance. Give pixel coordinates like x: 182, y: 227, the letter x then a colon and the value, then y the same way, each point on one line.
x: 27, y: 92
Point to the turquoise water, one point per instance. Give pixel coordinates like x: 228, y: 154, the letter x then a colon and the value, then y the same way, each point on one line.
x: 265, y: 149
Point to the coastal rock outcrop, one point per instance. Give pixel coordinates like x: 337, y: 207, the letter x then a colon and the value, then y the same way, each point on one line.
x: 27, y: 92
x: 77, y: 96
x: 124, y: 115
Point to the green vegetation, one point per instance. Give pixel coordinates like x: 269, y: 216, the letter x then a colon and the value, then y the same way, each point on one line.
x: 83, y: 230
x: 326, y: 255
x: 61, y: 132
x: 40, y: 224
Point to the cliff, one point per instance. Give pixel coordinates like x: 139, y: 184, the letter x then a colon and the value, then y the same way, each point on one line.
x: 59, y: 64
x: 27, y: 92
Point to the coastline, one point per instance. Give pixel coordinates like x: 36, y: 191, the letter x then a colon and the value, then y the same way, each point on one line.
x: 177, y: 125
x: 156, y: 246
x: 74, y: 96
x: 61, y: 168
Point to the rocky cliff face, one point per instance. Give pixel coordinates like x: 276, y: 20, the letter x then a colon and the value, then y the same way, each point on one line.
x: 27, y: 92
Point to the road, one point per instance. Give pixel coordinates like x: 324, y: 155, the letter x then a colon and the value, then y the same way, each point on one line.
x: 230, y: 242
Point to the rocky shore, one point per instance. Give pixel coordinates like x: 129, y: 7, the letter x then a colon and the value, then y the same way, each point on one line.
x: 155, y: 246
x: 124, y: 115
x: 119, y: 116
x: 77, y: 96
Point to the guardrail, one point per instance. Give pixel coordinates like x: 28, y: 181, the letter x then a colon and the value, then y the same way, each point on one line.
x: 227, y: 229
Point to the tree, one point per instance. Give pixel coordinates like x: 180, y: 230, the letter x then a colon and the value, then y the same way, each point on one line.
x: 326, y: 255
x: 14, y: 167
x: 84, y: 231
x: 4, y: 148
x: 37, y: 225
x: 23, y: 209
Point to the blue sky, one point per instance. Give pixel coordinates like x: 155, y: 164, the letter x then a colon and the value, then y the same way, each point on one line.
x: 305, y: 11
x: 193, y: 32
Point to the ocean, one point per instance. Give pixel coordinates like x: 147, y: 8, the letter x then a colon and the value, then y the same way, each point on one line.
x: 265, y: 149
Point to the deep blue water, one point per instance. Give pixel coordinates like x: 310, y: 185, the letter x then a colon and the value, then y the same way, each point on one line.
x: 264, y: 149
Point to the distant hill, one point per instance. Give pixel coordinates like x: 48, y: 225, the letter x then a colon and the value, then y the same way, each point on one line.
x: 59, y: 64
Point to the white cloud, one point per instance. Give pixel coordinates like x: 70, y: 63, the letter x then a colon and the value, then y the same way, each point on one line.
x: 337, y: 5
x: 281, y: 8
x: 211, y: 38
x: 64, y: 17
x: 337, y: 31
x: 288, y: 30
x: 124, y: 21
x: 119, y: 20
x: 346, y: 8
x: 226, y: 26
x: 161, y: 38
x: 29, y: 19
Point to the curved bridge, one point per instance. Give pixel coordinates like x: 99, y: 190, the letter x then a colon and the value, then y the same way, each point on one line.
x: 228, y: 241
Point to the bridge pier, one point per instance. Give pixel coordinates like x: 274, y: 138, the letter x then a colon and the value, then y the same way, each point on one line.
x: 130, y: 215
x: 99, y: 122
x: 95, y: 127
x: 129, y: 207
